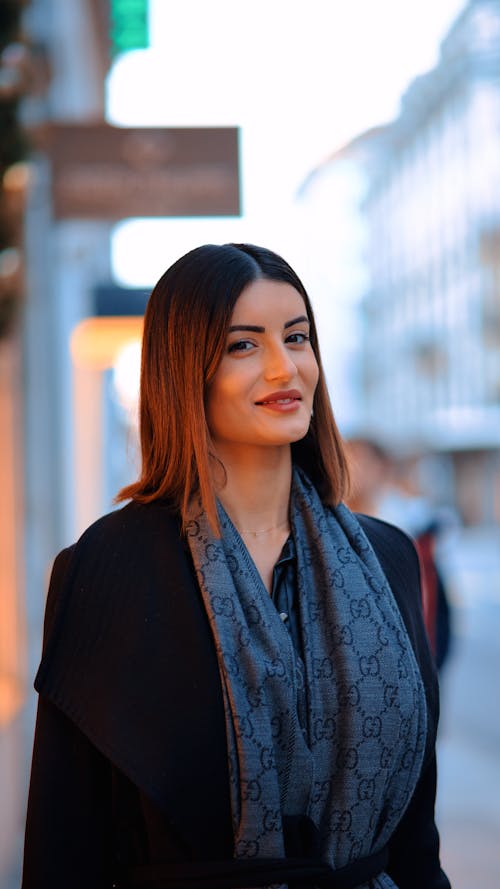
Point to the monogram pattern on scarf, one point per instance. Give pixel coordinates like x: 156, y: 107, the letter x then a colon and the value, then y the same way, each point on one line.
x: 338, y: 736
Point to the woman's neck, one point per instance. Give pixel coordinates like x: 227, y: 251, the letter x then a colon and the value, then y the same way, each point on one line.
x: 256, y: 492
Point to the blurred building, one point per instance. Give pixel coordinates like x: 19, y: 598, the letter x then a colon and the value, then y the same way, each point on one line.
x: 431, y: 311
x: 51, y: 68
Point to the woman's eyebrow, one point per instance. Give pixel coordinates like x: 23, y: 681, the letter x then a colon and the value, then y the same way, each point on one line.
x: 297, y: 320
x: 253, y: 328
x: 256, y: 328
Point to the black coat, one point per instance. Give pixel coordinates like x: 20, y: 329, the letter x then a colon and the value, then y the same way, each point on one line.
x: 130, y: 762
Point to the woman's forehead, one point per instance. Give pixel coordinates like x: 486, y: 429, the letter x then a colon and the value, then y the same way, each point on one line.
x: 272, y: 300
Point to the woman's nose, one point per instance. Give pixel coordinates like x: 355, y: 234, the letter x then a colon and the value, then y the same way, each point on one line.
x: 279, y: 364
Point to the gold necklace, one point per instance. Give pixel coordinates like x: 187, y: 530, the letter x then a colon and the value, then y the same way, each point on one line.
x: 264, y: 530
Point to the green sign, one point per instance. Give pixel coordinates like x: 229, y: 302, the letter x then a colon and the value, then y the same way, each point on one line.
x: 129, y: 25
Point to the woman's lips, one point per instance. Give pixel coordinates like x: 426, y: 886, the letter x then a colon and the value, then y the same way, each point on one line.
x: 281, y: 401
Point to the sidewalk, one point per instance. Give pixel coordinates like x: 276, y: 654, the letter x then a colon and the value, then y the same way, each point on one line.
x: 468, y: 805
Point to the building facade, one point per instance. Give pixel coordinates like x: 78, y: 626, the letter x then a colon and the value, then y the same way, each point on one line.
x: 61, y: 262
x: 431, y: 313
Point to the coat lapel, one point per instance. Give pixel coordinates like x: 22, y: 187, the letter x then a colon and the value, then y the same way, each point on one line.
x: 129, y: 657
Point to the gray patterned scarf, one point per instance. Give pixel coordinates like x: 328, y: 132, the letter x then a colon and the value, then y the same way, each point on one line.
x: 338, y: 736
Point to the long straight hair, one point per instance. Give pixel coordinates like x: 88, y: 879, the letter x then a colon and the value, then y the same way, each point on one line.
x: 185, y: 329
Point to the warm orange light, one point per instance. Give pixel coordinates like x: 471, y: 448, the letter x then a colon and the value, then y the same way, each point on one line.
x: 96, y: 342
x: 12, y: 696
x: 17, y: 177
x: 12, y: 614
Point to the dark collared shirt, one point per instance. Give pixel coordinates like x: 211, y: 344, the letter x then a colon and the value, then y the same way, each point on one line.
x: 284, y: 592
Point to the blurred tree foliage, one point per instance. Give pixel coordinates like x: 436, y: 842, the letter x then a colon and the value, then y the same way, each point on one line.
x: 14, y: 83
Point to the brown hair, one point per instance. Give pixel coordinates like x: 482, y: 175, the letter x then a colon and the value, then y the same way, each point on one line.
x: 185, y: 330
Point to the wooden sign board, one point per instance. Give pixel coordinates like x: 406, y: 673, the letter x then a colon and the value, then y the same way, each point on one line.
x: 105, y: 172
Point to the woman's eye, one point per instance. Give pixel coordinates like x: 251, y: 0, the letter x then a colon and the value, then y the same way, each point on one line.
x: 240, y: 346
x: 297, y: 338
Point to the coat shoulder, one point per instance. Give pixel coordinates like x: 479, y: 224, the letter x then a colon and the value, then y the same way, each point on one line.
x: 103, y: 578
x: 396, y: 552
x: 386, y: 535
x: 135, y: 519
x: 399, y: 561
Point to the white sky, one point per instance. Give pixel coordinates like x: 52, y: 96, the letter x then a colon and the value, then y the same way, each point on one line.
x: 299, y: 78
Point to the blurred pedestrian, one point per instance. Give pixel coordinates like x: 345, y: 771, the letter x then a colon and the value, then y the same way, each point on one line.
x: 381, y: 488
x: 235, y: 687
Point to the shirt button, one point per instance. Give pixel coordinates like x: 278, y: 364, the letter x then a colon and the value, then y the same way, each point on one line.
x: 284, y: 616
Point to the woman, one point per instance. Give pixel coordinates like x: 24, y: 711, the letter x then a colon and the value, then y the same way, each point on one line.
x: 231, y: 694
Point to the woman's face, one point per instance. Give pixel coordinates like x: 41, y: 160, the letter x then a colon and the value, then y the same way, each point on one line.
x: 262, y: 393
